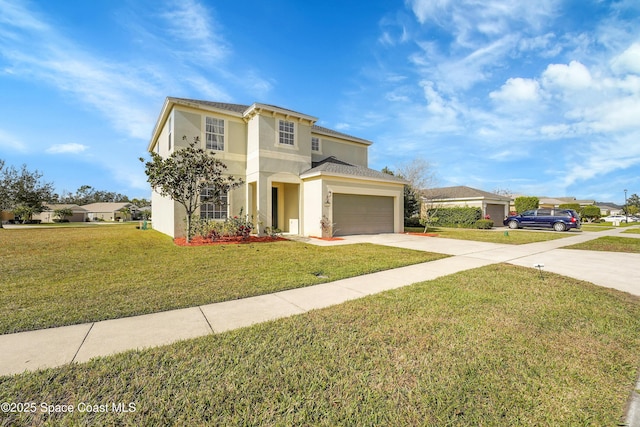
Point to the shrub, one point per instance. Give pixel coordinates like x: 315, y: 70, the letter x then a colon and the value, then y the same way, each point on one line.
x: 590, y: 213
x: 412, y: 222
x: 574, y: 206
x: 484, y: 224
x: 455, y: 217
x: 524, y: 203
x: 238, y: 226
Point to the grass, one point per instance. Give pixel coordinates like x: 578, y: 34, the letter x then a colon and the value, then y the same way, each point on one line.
x: 493, y: 346
x: 514, y: 237
x: 632, y: 231
x: 595, y: 227
x: 610, y: 244
x: 62, y: 276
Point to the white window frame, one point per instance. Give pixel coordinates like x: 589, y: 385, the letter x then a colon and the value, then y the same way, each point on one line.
x: 209, y: 210
x: 219, y: 143
x: 286, y: 134
x: 318, y: 149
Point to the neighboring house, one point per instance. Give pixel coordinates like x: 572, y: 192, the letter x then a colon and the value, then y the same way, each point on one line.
x: 552, y: 202
x: 110, y: 211
x: 556, y: 202
x: 492, y: 205
x: 611, y: 209
x: 49, y: 215
x: 294, y: 171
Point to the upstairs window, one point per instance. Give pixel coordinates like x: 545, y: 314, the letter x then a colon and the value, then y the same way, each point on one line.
x: 210, y: 210
x: 286, y: 133
x: 315, y: 144
x: 214, y: 134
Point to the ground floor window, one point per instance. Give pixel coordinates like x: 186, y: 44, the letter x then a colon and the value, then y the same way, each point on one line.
x: 209, y: 210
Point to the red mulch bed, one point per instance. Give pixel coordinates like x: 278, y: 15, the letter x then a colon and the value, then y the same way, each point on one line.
x: 201, y: 241
x: 423, y: 234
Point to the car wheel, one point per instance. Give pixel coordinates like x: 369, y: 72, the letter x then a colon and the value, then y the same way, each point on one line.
x: 559, y: 226
x: 513, y: 224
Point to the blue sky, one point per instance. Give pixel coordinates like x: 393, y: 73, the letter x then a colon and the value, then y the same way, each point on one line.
x: 537, y: 97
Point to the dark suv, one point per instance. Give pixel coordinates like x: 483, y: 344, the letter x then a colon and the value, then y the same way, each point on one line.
x: 559, y: 219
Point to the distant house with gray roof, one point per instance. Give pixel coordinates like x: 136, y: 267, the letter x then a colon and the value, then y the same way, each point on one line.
x: 110, y: 211
x: 493, y: 205
x: 78, y: 214
x: 296, y: 174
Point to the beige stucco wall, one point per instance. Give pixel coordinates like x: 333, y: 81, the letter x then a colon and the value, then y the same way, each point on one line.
x: 312, y: 207
x: 163, y: 215
x: 49, y: 216
x: 346, y: 151
x: 318, y: 199
x: 253, y: 153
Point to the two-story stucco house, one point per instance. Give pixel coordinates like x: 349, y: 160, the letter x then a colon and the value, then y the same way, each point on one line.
x: 294, y: 172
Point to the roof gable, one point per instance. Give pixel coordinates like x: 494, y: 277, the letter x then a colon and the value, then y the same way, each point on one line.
x: 243, y: 111
x: 333, y: 166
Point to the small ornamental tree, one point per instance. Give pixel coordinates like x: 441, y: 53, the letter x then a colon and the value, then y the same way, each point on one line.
x: 185, y: 174
x: 525, y: 203
x: 63, y: 213
x: 590, y: 213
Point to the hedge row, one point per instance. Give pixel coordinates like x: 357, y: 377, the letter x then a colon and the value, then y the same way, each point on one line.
x: 455, y: 217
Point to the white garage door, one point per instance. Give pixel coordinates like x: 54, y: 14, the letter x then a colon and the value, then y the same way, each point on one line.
x: 356, y: 214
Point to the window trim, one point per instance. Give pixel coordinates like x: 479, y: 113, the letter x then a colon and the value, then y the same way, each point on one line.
x: 224, y: 133
x: 319, y: 150
x: 214, y: 211
x: 294, y: 145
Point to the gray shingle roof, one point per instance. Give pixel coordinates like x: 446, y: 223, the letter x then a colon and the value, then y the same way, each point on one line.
x: 324, y: 130
x: 242, y: 108
x: 331, y: 165
x: 461, y: 192
x: 236, y: 108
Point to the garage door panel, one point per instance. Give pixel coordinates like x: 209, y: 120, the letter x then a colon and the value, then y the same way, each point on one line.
x: 361, y: 214
x: 496, y: 212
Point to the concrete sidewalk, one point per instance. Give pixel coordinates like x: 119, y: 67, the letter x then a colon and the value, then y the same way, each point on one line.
x: 79, y: 343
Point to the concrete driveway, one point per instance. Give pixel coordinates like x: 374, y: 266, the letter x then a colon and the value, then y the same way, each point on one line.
x: 616, y: 270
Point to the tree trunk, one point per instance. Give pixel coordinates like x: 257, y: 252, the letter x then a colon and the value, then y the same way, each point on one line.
x: 188, y: 228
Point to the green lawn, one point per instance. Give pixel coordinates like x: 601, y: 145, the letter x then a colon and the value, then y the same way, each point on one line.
x: 514, y: 237
x: 632, y: 231
x: 610, y: 244
x: 62, y: 276
x: 495, y: 346
x: 595, y: 227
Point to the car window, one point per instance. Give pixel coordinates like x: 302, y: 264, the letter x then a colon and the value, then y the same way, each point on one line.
x: 529, y: 213
x: 544, y: 212
x: 563, y: 213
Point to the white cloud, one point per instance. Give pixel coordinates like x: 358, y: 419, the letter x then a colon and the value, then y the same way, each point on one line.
x: 11, y: 142
x: 469, y: 18
x: 574, y: 76
x: 193, y: 26
x: 72, y: 148
x: 628, y: 61
x: 517, y: 90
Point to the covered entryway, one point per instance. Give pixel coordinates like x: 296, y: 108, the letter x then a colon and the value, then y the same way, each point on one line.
x: 360, y: 214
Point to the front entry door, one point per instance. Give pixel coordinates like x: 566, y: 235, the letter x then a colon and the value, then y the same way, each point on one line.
x: 274, y: 207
